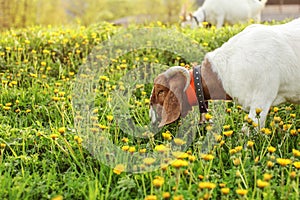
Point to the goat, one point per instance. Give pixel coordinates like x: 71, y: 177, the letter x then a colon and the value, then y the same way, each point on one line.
x: 218, y: 12
x: 258, y: 68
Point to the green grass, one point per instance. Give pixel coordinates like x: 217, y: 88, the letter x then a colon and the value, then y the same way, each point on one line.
x: 43, y: 154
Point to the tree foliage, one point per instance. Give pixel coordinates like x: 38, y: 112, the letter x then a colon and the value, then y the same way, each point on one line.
x: 22, y: 13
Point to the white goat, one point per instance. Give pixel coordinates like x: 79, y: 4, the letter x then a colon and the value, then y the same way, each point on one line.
x: 218, y: 12
x: 258, y: 68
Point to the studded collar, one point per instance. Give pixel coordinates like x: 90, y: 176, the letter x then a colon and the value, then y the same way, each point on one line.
x: 195, y: 94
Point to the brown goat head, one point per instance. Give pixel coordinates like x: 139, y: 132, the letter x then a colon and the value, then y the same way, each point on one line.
x: 168, y: 99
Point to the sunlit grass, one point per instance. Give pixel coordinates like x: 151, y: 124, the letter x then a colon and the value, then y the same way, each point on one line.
x: 42, y: 155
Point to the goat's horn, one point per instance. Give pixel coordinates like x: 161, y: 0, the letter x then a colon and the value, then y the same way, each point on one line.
x: 173, y: 70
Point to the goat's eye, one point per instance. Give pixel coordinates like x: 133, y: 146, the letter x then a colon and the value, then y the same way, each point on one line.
x: 160, y: 92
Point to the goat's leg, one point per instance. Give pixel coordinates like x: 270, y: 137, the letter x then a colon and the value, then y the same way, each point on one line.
x: 220, y: 21
x: 264, y: 110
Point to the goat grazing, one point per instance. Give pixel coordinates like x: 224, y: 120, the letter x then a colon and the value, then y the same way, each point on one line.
x: 257, y: 68
x: 218, y: 12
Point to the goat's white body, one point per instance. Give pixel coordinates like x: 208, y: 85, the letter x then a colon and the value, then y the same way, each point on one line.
x: 219, y: 12
x: 260, y: 66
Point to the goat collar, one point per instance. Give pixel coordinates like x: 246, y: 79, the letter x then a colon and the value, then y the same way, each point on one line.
x: 204, y: 17
x: 196, y: 19
x: 194, y: 92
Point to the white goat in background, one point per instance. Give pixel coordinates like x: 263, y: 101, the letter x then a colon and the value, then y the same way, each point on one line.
x: 218, y: 12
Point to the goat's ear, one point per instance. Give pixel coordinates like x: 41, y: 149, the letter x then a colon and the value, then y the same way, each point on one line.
x: 175, y: 103
x: 171, y: 108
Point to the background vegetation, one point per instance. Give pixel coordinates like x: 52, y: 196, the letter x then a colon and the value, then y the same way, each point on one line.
x: 21, y: 13
x: 42, y: 155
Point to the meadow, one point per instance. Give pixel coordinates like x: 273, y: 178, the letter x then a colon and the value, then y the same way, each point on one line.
x: 44, y: 86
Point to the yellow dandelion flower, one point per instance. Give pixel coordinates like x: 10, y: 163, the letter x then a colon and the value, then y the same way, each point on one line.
x: 166, y: 195
x: 267, y: 177
x: 179, y: 141
x: 205, y: 44
x: 192, y: 158
x: 262, y: 184
x: 225, y: 191
x: 241, y: 192
x: 228, y: 133
x: 207, y: 185
x: 125, y: 148
x: 258, y: 111
x: 250, y: 144
x: 149, y: 161
x: 131, y: 149
x: 167, y: 135
x: 218, y: 138
x: 201, y: 177
x: 275, y: 109
x: 180, y: 155
x: 207, y: 157
x: 296, y: 153
x: 160, y: 148
x: 208, y: 127
x: 119, y: 168
x: 104, y: 78
x: 8, y: 104
x: 6, y: 108
x: 101, y: 126
x: 178, y: 197
x: 297, y: 165
x: 270, y: 164
x: 109, y: 118
x: 143, y: 150
x: 54, y: 136
x: 55, y: 98
x: 208, y: 116
x: 43, y: 64
x: 283, y: 162
x: 236, y: 161
x: 222, y: 142
x: 238, y: 148
x: 293, y: 174
x: 62, y: 130
x: 277, y: 119
x: 207, y: 196
x: 286, y: 127
x: 232, y: 151
x: 125, y: 139
x: 58, y: 197
x: 79, y: 140
x: 222, y: 185
x: 293, y: 132
x: 292, y: 115
x: 266, y: 131
x: 271, y: 149
x: 226, y: 127
x: 2, y: 145
x: 164, y: 167
x: 179, y: 163
x: 158, y: 181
